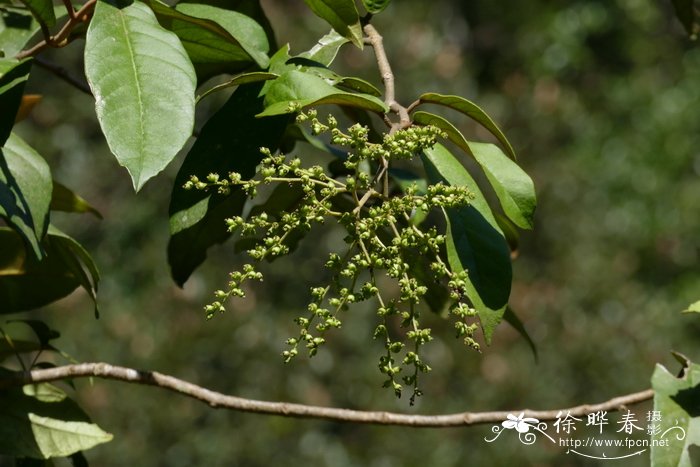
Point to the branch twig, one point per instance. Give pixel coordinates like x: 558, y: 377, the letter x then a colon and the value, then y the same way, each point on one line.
x: 218, y: 400
x: 64, y: 75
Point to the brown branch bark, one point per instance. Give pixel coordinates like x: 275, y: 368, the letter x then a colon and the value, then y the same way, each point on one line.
x: 218, y: 400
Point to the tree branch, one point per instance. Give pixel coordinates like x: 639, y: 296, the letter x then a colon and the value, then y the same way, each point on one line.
x: 377, y: 42
x: 64, y: 75
x: 218, y: 400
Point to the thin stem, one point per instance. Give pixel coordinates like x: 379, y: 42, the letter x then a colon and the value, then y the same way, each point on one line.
x: 284, y: 409
x: 64, y: 75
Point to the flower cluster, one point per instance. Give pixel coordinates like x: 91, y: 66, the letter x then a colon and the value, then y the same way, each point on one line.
x: 382, y: 241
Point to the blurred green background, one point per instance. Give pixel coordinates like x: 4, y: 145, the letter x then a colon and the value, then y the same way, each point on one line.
x: 601, y: 101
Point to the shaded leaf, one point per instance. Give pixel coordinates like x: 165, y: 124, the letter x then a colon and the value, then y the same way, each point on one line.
x: 688, y: 13
x: 375, y: 6
x: 298, y: 89
x: 27, y: 283
x: 63, y: 199
x: 25, y: 191
x: 243, y: 78
x: 511, y: 318
x: 40, y: 421
x: 678, y: 400
x: 326, y: 48
x: 42, y: 10
x: 41, y: 330
x: 473, y: 111
x: 13, y: 76
x: 341, y: 15
x: 514, y: 188
x: 693, y: 308
x: 145, y: 106
x: 474, y: 241
x: 229, y: 141
x: 8, y: 349
x: 359, y: 85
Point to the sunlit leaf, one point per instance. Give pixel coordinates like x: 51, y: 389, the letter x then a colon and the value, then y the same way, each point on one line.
x: 341, y: 15
x: 473, y: 111
x: 145, y: 106
x: 229, y: 141
x: 25, y: 191
x: 18, y: 27
x: 474, y: 243
x: 693, y: 308
x: 326, y: 48
x: 40, y: 421
x: 514, y: 188
x: 677, y: 399
x: 375, y: 6
x: 244, y: 78
x: 296, y: 89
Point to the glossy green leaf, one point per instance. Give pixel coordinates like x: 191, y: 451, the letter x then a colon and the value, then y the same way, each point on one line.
x: 693, y: 308
x: 359, y: 85
x: 245, y: 31
x: 243, y: 78
x: 473, y: 111
x: 375, y: 6
x: 474, y: 243
x: 326, y: 48
x: 42, y: 11
x: 677, y: 400
x: 341, y: 15
x: 40, y: 421
x: 299, y: 89
x: 25, y: 191
x: 229, y: 141
x: 514, y: 188
x: 27, y: 283
x: 13, y: 76
x: 63, y: 199
x: 145, y: 105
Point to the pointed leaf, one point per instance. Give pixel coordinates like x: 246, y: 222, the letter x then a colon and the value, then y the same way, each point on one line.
x: 243, y: 78
x: 512, y: 185
x: 475, y: 243
x: 326, y: 48
x: 229, y: 141
x: 63, y: 199
x: 143, y: 83
x: 511, y: 318
x: 42, y: 10
x: 25, y: 191
x: 40, y: 421
x: 677, y: 399
x: 13, y: 76
x: 297, y: 89
x: 693, y: 308
x: 341, y: 15
x: 473, y: 111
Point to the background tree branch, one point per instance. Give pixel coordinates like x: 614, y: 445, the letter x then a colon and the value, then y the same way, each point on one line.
x: 218, y: 400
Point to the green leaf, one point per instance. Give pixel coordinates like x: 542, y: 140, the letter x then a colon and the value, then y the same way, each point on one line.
x: 42, y: 11
x: 341, y: 15
x: 42, y: 331
x: 8, y: 349
x: 27, y: 283
x: 513, y: 187
x: 145, y: 105
x: 693, y: 308
x: 25, y: 191
x: 471, y: 110
x: 474, y: 243
x: 375, y: 6
x: 13, y: 76
x: 229, y: 141
x: 359, y: 85
x: 243, y: 78
x: 18, y: 27
x: 63, y: 199
x: 299, y: 89
x: 677, y: 399
x: 40, y: 421
x: 511, y: 318
x: 326, y: 48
